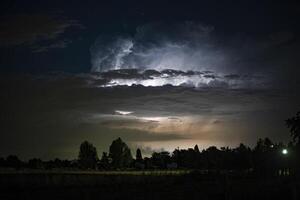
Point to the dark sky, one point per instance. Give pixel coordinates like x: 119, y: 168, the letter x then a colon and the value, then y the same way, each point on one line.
x: 159, y: 74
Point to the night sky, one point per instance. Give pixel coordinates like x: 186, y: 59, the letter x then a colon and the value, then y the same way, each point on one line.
x: 160, y: 75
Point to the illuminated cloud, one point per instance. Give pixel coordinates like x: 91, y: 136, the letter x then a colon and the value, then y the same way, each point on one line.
x: 122, y: 112
x: 187, y: 54
x: 194, y: 79
x: 178, y: 46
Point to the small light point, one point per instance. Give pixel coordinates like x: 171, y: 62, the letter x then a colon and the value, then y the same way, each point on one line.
x: 284, y: 151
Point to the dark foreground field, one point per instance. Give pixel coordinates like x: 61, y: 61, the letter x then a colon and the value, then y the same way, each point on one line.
x: 144, y: 185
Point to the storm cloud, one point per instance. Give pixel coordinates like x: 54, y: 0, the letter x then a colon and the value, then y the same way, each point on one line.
x: 184, y: 48
x: 158, y: 46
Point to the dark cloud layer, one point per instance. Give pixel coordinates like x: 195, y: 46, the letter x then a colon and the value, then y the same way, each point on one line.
x: 32, y: 29
x: 49, y: 116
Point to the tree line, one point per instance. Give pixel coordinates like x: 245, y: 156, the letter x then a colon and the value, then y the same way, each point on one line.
x: 266, y: 157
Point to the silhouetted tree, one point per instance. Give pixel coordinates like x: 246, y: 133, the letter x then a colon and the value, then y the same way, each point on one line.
x: 138, y: 155
x: 264, y: 156
x: 148, y: 163
x: 293, y: 124
x: 243, y: 157
x: 87, y: 157
x: 2, y: 162
x: 176, y: 157
x: 57, y: 163
x: 197, y: 157
x: 188, y: 158
x: 161, y: 159
x: 14, y: 162
x: 196, y: 149
x: 104, y: 162
x: 212, y: 158
x: 35, y: 163
x: 228, y: 158
x: 263, y: 145
x: 120, y: 154
x: 139, y: 162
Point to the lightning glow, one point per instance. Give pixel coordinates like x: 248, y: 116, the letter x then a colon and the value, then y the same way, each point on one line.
x: 121, y: 112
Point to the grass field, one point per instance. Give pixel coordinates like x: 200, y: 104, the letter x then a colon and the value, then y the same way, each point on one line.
x: 157, y: 184
x: 78, y: 172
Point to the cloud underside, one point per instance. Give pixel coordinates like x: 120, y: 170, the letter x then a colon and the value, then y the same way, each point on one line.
x: 155, y: 78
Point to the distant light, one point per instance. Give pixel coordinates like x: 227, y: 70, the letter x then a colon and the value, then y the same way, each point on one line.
x: 284, y: 151
x: 121, y: 112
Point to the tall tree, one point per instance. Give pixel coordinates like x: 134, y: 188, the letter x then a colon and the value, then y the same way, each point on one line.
x: 138, y: 155
x: 88, y: 156
x: 196, y: 149
x: 293, y: 124
x: 120, y: 154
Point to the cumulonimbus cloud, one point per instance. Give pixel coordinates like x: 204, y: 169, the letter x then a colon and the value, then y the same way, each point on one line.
x: 237, y: 61
x: 178, y: 46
